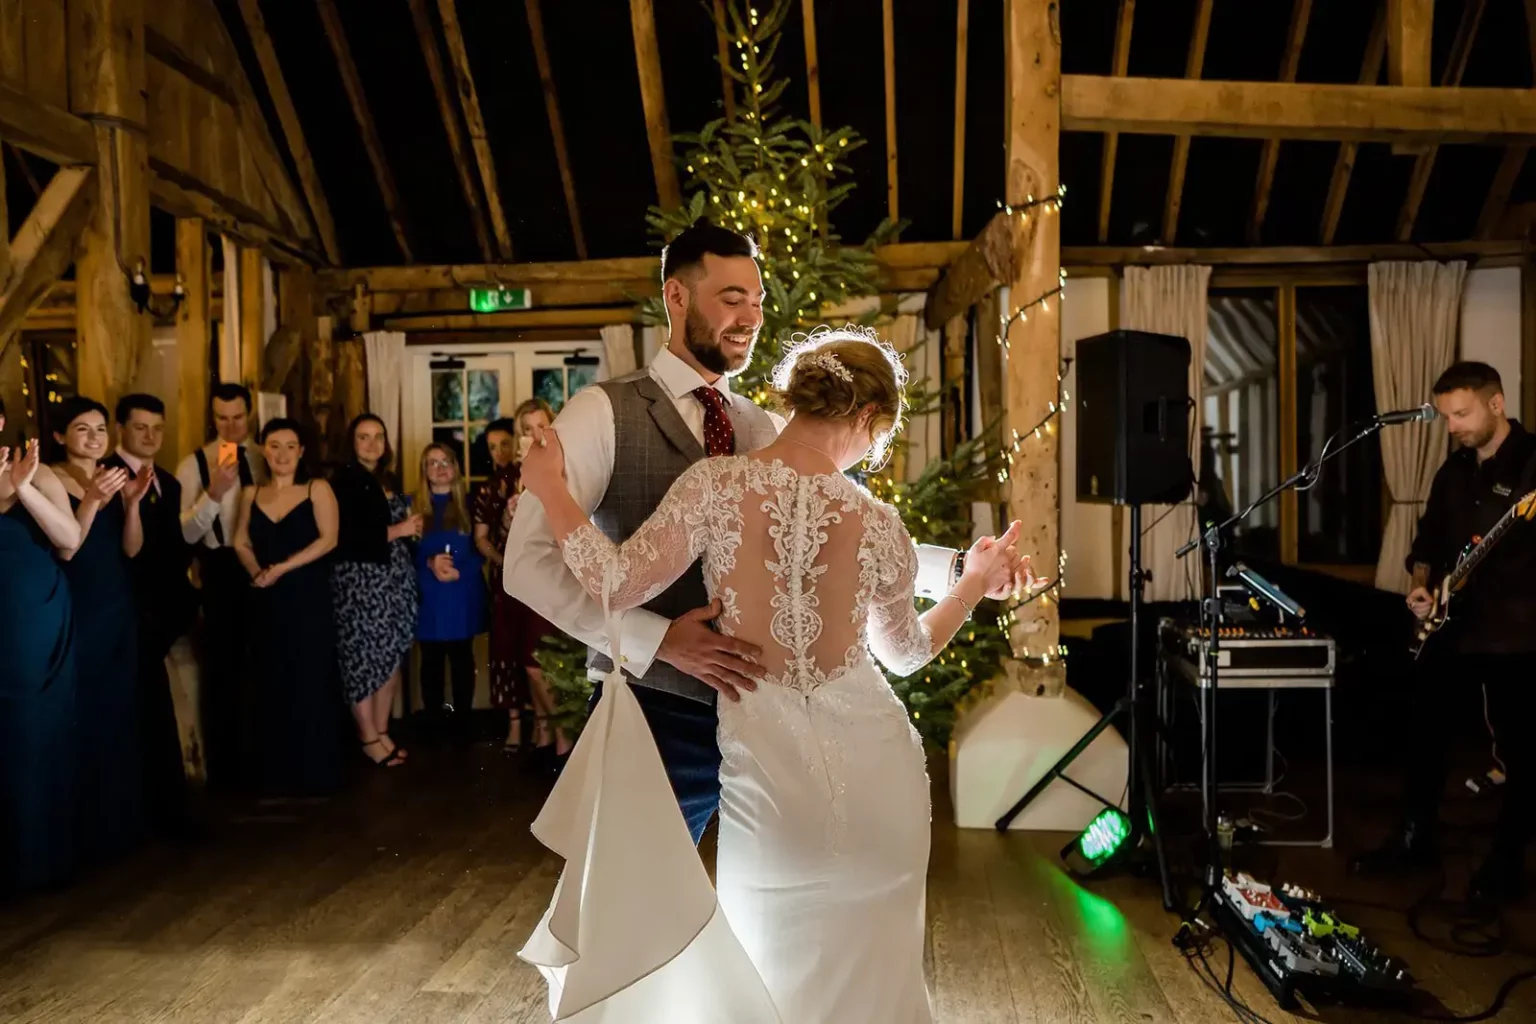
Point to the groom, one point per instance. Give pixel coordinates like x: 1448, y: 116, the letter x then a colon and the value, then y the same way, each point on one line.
x: 626, y: 441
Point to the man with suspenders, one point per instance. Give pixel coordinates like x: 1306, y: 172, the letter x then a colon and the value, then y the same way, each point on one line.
x: 211, y: 478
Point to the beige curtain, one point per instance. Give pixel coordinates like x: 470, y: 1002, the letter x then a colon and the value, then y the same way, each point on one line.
x: 385, y: 354
x: 618, y: 349
x: 1414, y: 313
x: 1170, y: 300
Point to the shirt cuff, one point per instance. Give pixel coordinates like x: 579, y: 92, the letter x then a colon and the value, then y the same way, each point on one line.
x: 935, y: 570
x: 641, y: 634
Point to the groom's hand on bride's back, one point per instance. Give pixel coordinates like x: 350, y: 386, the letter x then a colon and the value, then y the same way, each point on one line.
x: 713, y: 658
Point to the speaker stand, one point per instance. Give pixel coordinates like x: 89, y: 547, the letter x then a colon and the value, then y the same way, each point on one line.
x: 1141, y: 782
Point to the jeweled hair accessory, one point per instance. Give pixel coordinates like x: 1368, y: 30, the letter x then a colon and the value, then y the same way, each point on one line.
x: 828, y: 361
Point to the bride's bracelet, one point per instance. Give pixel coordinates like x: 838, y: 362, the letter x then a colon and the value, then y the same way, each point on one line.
x: 969, y: 608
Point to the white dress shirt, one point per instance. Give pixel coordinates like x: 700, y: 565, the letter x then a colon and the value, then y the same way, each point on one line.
x: 199, y: 511
x: 534, y: 570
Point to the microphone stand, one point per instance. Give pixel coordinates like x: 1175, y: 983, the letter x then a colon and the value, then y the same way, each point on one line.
x: 1212, y: 621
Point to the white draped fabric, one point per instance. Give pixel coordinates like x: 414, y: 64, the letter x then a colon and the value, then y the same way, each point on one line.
x: 619, y: 349
x: 229, y: 326
x: 1171, y: 300
x: 385, y: 352
x: 1414, y: 312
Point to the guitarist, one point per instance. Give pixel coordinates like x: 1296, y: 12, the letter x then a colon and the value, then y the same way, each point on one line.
x: 1490, y: 639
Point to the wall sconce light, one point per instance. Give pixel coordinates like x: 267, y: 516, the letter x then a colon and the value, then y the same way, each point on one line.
x: 139, y: 292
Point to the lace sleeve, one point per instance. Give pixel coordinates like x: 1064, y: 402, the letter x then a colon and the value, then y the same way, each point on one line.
x: 897, y: 636
x: 658, y: 553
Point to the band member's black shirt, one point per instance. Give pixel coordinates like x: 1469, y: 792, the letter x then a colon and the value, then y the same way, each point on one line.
x: 1495, y: 613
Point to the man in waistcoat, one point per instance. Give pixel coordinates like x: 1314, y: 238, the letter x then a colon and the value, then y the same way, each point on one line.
x: 626, y: 441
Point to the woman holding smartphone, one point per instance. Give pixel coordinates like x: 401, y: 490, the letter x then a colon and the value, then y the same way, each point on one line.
x: 450, y: 574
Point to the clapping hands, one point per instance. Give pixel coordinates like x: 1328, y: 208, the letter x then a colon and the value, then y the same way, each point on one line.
x: 105, y: 483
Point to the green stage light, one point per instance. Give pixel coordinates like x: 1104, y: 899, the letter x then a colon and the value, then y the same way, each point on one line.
x: 1104, y: 837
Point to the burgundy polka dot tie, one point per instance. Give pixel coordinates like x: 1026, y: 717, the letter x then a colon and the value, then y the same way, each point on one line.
x: 719, y: 435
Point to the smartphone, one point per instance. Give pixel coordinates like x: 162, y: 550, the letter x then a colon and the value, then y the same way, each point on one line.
x: 227, y: 450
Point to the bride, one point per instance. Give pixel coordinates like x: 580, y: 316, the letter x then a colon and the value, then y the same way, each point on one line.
x: 824, y: 809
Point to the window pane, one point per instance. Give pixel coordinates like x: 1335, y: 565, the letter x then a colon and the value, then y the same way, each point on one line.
x: 1240, y: 454
x: 1335, y: 388
x: 549, y: 384
x: 447, y: 395
x: 479, y: 454
x: 484, y: 394
x: 451, y: 438
x: 578, y: 377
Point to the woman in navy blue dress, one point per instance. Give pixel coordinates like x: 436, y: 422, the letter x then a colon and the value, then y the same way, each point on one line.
x: 449, y: 576
x: 286, y: 532
x: 106, y: 504
x: 37, y: 679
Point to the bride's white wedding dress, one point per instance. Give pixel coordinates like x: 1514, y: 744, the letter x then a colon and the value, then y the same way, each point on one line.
x: 824, y: 808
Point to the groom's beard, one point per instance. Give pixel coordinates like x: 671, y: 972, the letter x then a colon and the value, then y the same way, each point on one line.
x: 704, y: 345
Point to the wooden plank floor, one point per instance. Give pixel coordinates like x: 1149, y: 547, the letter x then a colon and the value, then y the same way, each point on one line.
x: 407, y: 898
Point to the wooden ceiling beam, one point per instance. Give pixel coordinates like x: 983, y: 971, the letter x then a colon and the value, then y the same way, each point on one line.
x: 1424, y: 163
x: 1122, y: 63
x: 1370, y: 113
x: 1199, y: 35
x: 469, y: 100
x: 985, y: 265
x: 1514, y: 157
x: 450, y: 115
x: 1344, y: 163
x: 45, y: 245
x: 293, y: 131
x: 962, y: 48
x: 812, y: 64
x: 888, y: 34
x: 5, y: 229
x: 1301, y: 13
x: 653, y: 97
x: 556, y: 127
x: 1410, y: 28
x: 336, y: 33
x: 1151, y: 255
x: 52, y: 133
x: 599, y: 317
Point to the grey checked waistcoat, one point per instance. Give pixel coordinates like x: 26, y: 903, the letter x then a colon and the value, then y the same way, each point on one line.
x: 652, y: 446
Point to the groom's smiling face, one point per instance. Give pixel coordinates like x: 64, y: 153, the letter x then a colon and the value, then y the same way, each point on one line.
x: 725, y: 312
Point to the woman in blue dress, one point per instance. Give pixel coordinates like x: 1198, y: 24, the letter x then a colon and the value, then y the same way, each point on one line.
x: 106, y: 504
x: 285, y: 535
x: 37, y: 677
x: 449, y: 576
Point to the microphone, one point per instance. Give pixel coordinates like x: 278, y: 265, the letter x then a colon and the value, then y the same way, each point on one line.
x: 1267, y: 590
x: 1419, y: 414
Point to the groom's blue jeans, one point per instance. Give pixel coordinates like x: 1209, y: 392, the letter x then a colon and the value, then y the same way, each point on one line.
x: 684, y: 731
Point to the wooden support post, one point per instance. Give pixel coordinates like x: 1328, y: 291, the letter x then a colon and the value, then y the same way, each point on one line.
x: 336, y: 33
x: 1192, y: 69
x: 1528, y: 339
x: 723, y: 56
x: 962, y: 47
x: 556, y: 127
x: 296, y: 315
x: 1344, y: 165
x: 5, y: 229
x: 1112, y: 139
x: 107, y: 82
x: 45, y: 246
x: 422, y: 23
x: 1301, y: 13
x: 1032, y: 63
x: 469, y: 99
x: 194, y: 337
x: 322, y: 385
x: 1424, y: 163
x: 253, y: 327
x: 888, y: 25
x: 1410, y: 26
x: 642, y: 19
x: 1285, y: 314
x: 293, y: 131
x: 812, y: 66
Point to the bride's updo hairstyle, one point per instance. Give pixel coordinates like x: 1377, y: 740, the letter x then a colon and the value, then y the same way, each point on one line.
x: 836, y: 374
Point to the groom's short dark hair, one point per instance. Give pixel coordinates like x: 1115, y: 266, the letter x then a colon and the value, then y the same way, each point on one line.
x: 701, y: 238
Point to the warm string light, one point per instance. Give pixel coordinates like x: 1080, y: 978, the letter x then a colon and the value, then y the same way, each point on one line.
x: 1021, y: 314
x: 1047, y: 424
x: 1050, y: 204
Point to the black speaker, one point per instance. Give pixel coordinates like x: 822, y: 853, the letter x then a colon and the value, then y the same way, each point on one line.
x: 1133, y: 419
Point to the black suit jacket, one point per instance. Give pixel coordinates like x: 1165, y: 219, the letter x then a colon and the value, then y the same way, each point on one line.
x: 165, y: 595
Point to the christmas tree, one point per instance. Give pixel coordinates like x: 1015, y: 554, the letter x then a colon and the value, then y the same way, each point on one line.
x: 777, y: 178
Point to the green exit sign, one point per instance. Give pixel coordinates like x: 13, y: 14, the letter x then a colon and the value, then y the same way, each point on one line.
x: 494, y: 300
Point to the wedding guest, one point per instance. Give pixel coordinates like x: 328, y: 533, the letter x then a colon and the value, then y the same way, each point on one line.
x: 165, y: 600
x: 373, y: 584
x: 37, y: 683
x: 211, y: 479
x: 450, y: 575
x: 106, y: 506
x: 284, y: 537
x: 41, y: 506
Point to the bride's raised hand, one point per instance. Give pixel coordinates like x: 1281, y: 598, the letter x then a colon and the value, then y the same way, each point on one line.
x: 543, y: 468
x: 993, y: 561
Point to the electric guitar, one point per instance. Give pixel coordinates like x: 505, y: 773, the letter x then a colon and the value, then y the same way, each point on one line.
x: 1471, y: 556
